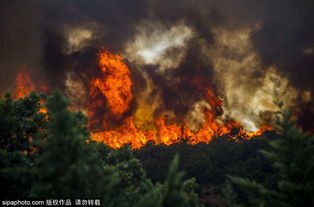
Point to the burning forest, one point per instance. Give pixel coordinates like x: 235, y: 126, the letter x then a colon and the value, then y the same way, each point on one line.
x: 114, y: 120
x: 161, y: 72
x: 165, y: 80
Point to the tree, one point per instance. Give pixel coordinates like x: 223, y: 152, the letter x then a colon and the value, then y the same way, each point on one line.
x: 21, y: 123
x: 67, y: 164
x: 176, y: 192
x: 293, y: 156
x: 64, y: 167
x: 135, y: 189
x: 173, y: 192
x: 133, y: 183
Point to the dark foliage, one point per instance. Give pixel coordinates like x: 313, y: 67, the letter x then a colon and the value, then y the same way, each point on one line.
x: 21, y: 124
x: 51, y: 156
x: 211, y: 163
x: 293, y: 156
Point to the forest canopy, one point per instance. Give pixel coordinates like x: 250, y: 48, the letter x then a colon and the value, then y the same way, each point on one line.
x: 49, y: 154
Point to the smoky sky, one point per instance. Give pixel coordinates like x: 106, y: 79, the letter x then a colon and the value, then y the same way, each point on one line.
x: 31, y: 33
x: 19, y: 40
x: 286, y: 40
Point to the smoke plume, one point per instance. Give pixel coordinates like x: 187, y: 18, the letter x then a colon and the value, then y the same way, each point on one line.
x: 246, y: 54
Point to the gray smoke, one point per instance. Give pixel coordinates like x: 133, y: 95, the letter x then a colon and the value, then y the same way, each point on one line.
x: 169, y: 44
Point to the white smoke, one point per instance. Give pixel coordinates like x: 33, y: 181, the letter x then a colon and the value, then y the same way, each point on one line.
x: 250, y: 91
x: 80, y: 37
x: 155, y: 44
x: 196, y: 117
x: 75, y: 90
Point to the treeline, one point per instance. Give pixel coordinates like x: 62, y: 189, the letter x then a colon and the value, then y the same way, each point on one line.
x: 211, y: 163
x: 51, y: 156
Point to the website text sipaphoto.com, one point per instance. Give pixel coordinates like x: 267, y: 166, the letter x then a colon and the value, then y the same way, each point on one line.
x: 23, y: 203
x: 53, y: 202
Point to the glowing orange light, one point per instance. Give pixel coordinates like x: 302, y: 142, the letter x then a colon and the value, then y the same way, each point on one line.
x: 23, y: 84
x: 114, y: 83
x: 110, y: 91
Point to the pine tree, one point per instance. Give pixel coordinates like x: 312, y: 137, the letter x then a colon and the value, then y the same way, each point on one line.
x: 21, y: 124
x: 176, y: 192
x: 133, y: 183
x: 293, y: 156
x: 173, y: 192
x: 64, y: 167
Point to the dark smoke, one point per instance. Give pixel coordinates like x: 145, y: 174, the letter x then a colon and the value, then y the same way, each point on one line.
x: 20, y: 40
x: 31, y: 28
x: 32, y: 33
x: 286, y: 39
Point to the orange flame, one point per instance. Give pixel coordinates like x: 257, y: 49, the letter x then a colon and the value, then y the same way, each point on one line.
x: 109, y: 101
x: 114, y: 83
x: 23, y: 84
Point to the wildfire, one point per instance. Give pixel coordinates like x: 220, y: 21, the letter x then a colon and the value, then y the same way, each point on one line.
x: 112, y: 121
x: 23, y: 84
x: 115, y: 84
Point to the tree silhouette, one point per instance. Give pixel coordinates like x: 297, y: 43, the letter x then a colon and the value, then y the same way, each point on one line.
x: 64, y: 167
x: 21, y: 124
x: 293, y: 156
